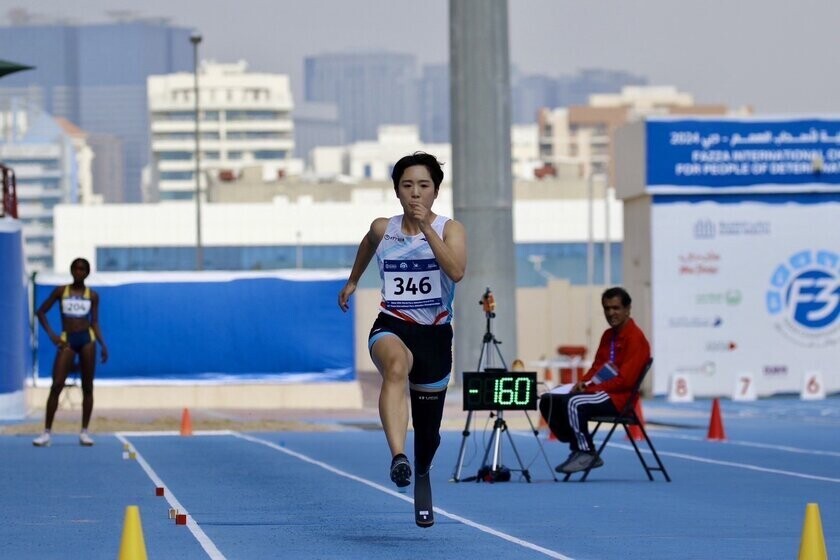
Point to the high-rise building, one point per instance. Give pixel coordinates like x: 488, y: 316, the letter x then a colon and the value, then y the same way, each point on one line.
x: 95, y: 76
x: 576, y: 89
x: 529, y: 94
x: 245, y: 120
x: 434, y: 103
x: 369, y: 89
x: 316, y: 124
x: 47, y: 162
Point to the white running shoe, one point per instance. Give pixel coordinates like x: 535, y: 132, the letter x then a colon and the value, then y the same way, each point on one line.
x: 85, y: 439
x: 42, y: 441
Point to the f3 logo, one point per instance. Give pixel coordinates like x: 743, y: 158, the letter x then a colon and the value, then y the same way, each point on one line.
x: 806, y: 289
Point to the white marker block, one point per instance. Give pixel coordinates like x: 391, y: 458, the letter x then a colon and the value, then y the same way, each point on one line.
x: 679, y: 389
x: 813, y: 388
x: 744, y: 389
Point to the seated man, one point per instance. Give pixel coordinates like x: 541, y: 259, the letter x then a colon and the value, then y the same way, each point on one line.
x: 604, y: 389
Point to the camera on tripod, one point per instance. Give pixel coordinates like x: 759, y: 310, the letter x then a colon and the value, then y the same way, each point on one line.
x: 488, y: 303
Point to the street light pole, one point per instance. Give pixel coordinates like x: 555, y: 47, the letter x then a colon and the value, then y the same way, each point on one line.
x: 607, y: 248
x: 590, y: 253
x: 195, y: 39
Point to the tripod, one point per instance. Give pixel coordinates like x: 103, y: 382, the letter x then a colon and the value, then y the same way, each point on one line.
x: 495, y: 471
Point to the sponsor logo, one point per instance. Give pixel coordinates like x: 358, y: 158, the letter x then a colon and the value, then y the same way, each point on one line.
x: 706, y: 368
x: 394, y: 238
x: 720, y: 346
x: 692, y: 263
x: 707, y: 228
x: 704, y: 229
x: 694, y: 322
x: 804, y: 298
x: 403, y: 265
x: 776, y: 370
x: 730, y: 297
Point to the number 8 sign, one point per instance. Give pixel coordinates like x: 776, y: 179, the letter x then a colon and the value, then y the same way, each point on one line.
x: 680, y: 390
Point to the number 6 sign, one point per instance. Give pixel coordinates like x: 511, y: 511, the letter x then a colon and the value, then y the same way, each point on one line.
x: 813, y: 388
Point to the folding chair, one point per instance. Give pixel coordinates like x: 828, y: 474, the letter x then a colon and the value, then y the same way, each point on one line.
x: 627, y: 417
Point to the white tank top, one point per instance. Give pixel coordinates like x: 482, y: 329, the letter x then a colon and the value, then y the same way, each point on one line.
x: 414, y: 288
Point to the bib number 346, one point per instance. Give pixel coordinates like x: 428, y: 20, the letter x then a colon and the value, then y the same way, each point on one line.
x: 412, y: 284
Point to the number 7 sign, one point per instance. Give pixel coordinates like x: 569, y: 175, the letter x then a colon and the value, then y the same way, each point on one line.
x: 744, y: 389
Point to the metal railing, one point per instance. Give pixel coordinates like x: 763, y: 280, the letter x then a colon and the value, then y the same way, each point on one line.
x: 9, y: 192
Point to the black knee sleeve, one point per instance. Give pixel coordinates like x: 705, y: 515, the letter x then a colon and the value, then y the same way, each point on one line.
x: 426, y: 415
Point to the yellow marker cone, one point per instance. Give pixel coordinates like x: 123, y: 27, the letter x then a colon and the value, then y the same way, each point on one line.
x: 812, y: 545
x: 132, y: 545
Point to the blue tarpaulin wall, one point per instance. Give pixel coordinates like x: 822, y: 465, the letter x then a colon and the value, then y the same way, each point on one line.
x: 15, y: 339
x: 216, y: 326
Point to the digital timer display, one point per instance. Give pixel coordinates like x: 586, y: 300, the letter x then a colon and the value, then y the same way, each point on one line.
x: 500, y: 390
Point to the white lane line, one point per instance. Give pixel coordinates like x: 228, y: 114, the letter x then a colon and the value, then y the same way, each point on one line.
x: 454, y: 517
x: 787, y: 448
x: 746, y: 466
x: 202, y: 538
x: 176, y: 433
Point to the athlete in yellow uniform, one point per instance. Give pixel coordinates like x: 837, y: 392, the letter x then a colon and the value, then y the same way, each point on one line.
x: 79, y: 334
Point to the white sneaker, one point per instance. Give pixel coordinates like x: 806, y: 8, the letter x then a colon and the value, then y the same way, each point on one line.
x: 85, y: 439
x: 42, y: 441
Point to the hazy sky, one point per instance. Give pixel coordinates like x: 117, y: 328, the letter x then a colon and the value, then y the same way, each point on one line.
x: 780, y: 56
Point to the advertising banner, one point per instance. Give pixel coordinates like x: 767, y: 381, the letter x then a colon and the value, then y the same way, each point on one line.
x: 742, y: 155
x: 210, y: 326
x: 746, y: 290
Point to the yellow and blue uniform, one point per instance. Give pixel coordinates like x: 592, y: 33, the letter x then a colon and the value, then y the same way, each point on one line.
x: 77, y: 307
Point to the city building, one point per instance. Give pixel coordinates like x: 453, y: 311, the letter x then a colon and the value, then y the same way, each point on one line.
x: 532, y: 92
x: 370, y: 89
x: 434, y: 103
x: 245, y: 120
x: 582, y: 135
x: 94, y: 75
x: 48, y: 160
x: 373, y: 160
x: 316, y: 124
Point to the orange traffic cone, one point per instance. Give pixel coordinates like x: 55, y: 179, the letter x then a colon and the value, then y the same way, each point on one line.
x: 635, y: 431
x: 186, y: 423
x: 716, y: 432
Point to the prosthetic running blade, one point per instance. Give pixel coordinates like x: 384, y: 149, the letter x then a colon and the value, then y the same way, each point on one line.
x: 424, y: 516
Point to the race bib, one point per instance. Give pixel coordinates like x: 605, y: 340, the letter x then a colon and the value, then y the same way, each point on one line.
x: 75, y: 307
x: 411, y: 284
